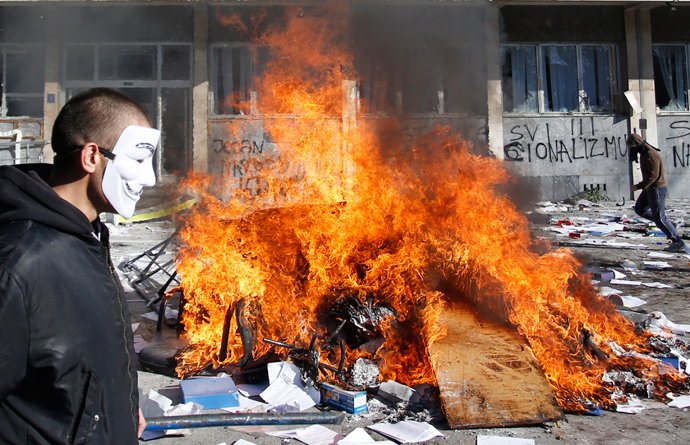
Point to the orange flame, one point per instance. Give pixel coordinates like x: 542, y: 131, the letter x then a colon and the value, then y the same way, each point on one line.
x: 359, y: 209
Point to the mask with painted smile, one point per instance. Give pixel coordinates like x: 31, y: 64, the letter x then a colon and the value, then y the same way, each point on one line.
x: 130, y: 168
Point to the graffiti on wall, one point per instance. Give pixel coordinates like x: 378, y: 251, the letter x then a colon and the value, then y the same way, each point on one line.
x: 679, y: 129
x: 244, y: 162
x: 539, y: 141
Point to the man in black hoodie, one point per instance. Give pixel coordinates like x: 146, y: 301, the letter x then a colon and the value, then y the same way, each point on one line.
x: 67, y: 368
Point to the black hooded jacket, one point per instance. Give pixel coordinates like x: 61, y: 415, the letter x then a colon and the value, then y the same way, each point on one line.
x: 67, y: 373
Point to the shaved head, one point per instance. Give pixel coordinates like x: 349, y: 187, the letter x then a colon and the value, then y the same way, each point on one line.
x: 97, y: 115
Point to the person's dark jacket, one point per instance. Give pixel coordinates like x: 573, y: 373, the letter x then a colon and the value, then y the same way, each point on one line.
x: 67, y: 373
x: 652, y: 168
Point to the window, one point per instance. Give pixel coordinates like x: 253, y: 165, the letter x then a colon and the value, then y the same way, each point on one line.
x: 156, y: 75
x: 670, y: 77
x: 559, y: 78
x: 422, y: 80
x: 233, y: 68
x: 22, y: 71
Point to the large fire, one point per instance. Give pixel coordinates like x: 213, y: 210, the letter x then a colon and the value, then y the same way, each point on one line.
x: 356, y: 209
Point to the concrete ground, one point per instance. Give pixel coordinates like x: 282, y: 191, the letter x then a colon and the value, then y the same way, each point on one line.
x: 658, y: 424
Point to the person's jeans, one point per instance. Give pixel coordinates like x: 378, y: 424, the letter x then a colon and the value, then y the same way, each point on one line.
x: 651, y: 205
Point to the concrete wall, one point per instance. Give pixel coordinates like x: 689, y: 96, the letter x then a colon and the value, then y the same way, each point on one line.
x: 674, y: 143
x: 564, y: 155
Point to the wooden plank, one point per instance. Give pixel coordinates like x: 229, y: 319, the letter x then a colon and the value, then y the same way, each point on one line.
x: 486, y: 375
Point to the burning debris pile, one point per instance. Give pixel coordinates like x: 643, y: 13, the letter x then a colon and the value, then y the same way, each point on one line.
x: 362, y: 238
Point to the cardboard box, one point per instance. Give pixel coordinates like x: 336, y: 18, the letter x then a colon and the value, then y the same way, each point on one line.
x: 211, y: 393
x: 349, y: 401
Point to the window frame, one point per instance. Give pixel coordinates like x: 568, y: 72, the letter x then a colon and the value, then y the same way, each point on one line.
x: 214, y: 87
x: 581, y: 94
x: 686, y: 69
x: 3, y: 78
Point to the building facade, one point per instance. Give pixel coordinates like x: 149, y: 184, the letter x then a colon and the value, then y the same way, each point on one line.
x: 552, y: 87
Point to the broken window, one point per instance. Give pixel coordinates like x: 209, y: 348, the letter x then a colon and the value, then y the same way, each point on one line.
x: 670, y: 77
x: 22, y: 80
x: 559, y: 78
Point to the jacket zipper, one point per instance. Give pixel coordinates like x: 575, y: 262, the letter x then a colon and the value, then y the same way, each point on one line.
x: 134, y: 409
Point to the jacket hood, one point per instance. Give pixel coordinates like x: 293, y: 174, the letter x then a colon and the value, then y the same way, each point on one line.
x: 25, y: 195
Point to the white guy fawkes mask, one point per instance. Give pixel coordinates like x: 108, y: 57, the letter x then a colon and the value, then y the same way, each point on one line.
x: 130, y: 168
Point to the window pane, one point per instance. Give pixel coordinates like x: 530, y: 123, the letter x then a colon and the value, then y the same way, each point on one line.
x: 519, y: 78
x: 80, y: 63
x: 175, y: 130
x: 125, y: 62
x: 670, y: 77
x: 25, y: 73
x: 378, y: 84
x: 421, y: 81
x: 176, y: 62
x: 25, y: 106
x: 560, y: 78
x: 232, y: 80
x: 600, y: 77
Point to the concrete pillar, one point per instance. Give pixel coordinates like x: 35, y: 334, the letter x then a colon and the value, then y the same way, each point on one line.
x: 495, y: 91
x: 51, y: 105
x: 640, y: 61
x: 200, y: 90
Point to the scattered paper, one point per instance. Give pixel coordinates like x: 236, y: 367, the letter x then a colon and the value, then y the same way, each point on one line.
x: 618, y: 275
x: 630, y: 301
x: 135, y: 326
x: 605, y: 291
x: 679, y: 401
x: 312, y: 435
x: 658, y: 285
x: 655, y: 265
x: 241, y: 442
x: 286, y: 393
x: 633, y: 406
x: 154, y: 404
x: 360, y: 437
x: 660, y: 255
x: 499, y: 440
x: 408, y: 431
x: 626, y: 282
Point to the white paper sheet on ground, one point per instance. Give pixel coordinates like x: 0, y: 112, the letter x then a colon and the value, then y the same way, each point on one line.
x: 658, y: 285
x: 135, y: 326
x: 155, y: 404
x: 607, y: 243
x: 360, y: 437
x: 284, y: 396
x: 679, y: 401
x: 660, y: 255
x: 242, y: 442
x: 500, y: 440
x: 656, y: 264
x: 626, y: 282
x: 605, y: 291
x: 618, y: 275
x: 291, y: 373
x: 632, y: 407
x: 630, y: 301
x: 312, y: 435
x: 408, y: 431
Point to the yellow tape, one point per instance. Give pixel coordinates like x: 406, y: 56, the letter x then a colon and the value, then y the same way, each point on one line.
x: 156, y: 214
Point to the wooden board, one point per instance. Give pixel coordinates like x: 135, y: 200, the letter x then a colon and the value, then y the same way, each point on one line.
x: 486, y: 375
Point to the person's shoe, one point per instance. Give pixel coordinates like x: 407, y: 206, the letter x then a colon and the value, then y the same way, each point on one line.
x: 676, y: 246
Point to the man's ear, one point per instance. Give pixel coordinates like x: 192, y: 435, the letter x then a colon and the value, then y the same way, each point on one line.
x: 90, y: 157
